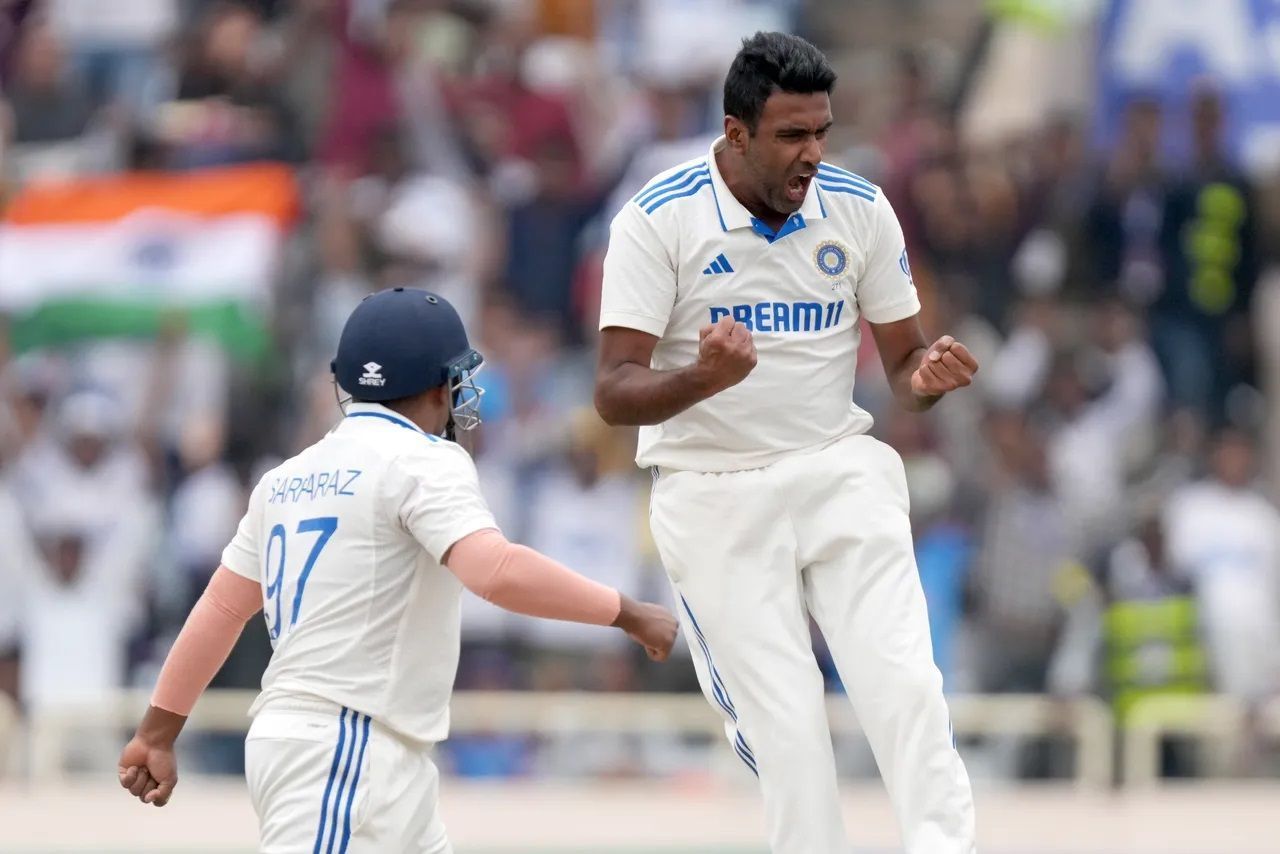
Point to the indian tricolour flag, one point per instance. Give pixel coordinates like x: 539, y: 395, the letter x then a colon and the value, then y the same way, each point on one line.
x: 118, y: 255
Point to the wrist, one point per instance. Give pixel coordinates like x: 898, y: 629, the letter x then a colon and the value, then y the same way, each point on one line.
x: 160, y: 727
x: 923, y: 402
x: 627, y: 608
x: 703, y: 380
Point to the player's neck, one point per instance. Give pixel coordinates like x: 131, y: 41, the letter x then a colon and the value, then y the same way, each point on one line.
x: 735, y: 178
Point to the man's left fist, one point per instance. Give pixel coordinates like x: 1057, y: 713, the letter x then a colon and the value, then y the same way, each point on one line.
x: 946, y: 366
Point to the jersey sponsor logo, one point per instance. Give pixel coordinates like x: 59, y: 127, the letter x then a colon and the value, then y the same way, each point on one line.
x: 372, y: 374
x: 782, y: 316
x: 719, y: 264
x: 832, y: 258
x: 291, y: 490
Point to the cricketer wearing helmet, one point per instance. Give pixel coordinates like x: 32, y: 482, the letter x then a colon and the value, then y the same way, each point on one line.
x: 356, y: 552
x: 733, y: 289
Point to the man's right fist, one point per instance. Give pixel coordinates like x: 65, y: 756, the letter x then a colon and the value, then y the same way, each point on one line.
x: 726, y: 353
x: 652, y: 626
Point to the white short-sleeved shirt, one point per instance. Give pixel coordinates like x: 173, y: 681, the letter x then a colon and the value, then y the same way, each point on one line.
x: 346, y: 540
x: 684, y: 252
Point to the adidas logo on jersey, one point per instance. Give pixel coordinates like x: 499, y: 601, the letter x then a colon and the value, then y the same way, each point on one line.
x: 372, y: 374
x: 719, y: 265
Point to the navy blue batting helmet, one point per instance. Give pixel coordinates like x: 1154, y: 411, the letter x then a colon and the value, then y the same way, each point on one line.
x: 403, y: 341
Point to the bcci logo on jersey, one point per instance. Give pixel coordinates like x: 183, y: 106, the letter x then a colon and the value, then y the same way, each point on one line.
x: 832, y: 258
x: 372, y: 374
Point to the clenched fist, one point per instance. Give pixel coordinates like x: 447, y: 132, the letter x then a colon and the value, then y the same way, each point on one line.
x: 652, y: 626
x: 946, y: 366
x: 726, y: 353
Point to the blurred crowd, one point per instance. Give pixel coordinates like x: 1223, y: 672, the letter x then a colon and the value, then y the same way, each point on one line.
x: 1091, y: 517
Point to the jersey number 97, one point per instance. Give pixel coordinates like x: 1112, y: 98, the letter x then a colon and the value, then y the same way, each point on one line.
x: 276, y: 554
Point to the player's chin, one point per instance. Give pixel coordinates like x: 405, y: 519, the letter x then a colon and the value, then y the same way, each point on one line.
x: 784, y: 203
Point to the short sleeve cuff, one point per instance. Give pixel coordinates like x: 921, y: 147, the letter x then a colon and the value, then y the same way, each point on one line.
x: 894, y: 312
x: 240, y: 563
x: 461, y: 530
x: 652, y: 325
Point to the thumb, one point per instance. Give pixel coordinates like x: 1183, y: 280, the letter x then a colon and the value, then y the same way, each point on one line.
x: 161, y: 794
x: 939, y: 347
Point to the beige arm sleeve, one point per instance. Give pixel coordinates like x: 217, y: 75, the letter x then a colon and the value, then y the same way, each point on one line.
x: 206, y: 640
x: 522, y: 580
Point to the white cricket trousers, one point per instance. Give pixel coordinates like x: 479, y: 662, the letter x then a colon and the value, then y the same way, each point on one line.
x: 329, y: 780
x: 752, y: 555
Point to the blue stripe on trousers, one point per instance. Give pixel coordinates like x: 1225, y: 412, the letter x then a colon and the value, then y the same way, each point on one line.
x: 722, y: 693
x: 333, y: 770
x: 351, y: 796
x: 740, y: 747
x: 342, y: 784
x: 717, y: 684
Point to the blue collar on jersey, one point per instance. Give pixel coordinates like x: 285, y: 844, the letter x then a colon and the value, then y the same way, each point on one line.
x: 374, y: 410
x: 795, y: 222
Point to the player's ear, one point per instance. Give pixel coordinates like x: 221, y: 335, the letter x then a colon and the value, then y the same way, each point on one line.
x: 736, y: 133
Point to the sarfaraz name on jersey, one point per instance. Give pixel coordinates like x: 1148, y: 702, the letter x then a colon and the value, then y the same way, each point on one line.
x: 805, y: 316
x: 291, y: 490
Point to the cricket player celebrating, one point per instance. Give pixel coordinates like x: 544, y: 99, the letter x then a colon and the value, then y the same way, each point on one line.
x: 357, y: 550
x: 733, y: 286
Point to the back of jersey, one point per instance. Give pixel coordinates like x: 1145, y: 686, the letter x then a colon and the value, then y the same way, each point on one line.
x: 346, y: 540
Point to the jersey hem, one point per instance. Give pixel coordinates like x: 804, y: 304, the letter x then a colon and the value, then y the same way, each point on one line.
x: 752, y: 460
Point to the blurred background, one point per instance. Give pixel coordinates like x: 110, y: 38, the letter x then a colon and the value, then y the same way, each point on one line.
x: 195, y: 193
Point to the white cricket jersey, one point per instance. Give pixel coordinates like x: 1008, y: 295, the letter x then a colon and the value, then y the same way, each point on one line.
x: 684, y: 252
x: 346, y: 540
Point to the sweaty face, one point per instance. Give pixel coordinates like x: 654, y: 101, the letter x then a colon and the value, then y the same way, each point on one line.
x: 783, y: 154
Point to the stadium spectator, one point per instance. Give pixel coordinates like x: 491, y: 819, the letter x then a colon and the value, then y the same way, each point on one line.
x: 226, y: 107
x: 580, y: 508
x: 117, y: 49
x: 47, y: 102
x: 1224, y: 537
x: 1097, y: 438
x: 1200, y: 321
x: 1027, y: 543
x: 205, y: 508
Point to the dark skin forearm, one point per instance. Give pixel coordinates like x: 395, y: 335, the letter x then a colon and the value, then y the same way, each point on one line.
x: 629, y: 394
x: 902, y: 345
x: 160, y: 727
x: 899, y: 376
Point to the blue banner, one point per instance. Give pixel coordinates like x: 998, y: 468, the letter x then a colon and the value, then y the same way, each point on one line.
x: 1165, y: 48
